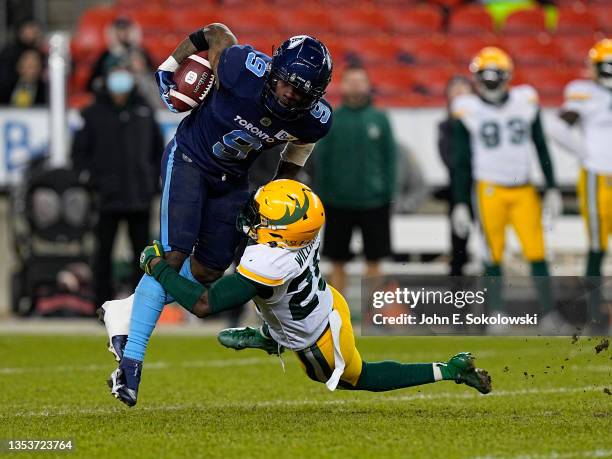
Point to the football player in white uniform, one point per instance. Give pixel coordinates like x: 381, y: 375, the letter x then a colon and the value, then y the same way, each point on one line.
x: 496, y: 131
x: 588, y: 105
x: 279, y: 271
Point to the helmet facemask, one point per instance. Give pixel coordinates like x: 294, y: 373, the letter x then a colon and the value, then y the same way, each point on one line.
x: 492, y: 84
x: 303, y: 63
x: 603, y: 71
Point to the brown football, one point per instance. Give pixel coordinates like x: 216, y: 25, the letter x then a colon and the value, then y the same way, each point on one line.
x: 194, y: 80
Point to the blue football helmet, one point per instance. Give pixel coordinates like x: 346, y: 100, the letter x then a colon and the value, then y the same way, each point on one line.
x: 304, y: 63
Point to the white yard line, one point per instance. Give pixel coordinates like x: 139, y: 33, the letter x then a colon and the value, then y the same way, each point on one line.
x: 160, y: 365
x: 67, y: 411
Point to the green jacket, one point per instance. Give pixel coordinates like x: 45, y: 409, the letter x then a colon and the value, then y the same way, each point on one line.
x: 356, y: 161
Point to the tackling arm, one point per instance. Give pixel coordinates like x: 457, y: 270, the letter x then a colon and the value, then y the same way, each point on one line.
x: 226, y: 293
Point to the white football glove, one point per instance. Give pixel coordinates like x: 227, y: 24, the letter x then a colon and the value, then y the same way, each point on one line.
x: 552, y: 206
x: 461, y: 220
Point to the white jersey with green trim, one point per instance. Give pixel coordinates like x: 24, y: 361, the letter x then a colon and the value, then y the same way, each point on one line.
x: 300, y: 301
x: 593, y: 103
x: 500, y: 135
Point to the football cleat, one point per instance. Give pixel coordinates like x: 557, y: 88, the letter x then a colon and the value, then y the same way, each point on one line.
x: 116, y: 346
x: 249, y: 338
x: 124, y: 381
x: 466, y: 373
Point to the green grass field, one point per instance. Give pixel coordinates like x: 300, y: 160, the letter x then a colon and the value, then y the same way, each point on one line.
x: 198, y: 399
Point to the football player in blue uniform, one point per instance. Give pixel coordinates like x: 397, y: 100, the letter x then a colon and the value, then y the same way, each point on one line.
x: 258, y: 102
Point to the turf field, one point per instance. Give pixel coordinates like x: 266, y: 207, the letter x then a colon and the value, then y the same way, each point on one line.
x: 198, y: 399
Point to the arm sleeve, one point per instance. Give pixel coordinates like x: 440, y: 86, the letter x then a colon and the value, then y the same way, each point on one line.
x: 226, y: 293
x: 462, y: 163
x: 539, y: 141
x: 444, y: 143
x: 229, y: 292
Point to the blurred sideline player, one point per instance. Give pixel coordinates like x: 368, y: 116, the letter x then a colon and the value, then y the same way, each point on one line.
x: 257, y: 103
x: 494, y: 134
x: 280, y: 272
x: 588, y: 104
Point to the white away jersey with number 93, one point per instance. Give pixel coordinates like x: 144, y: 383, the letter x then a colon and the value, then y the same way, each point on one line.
x: 593, y: 103
x: 300, y: 301
x: 500, y: 136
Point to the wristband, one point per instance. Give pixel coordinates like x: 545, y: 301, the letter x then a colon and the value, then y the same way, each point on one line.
x: 169, y: 65
x: 199, y: 40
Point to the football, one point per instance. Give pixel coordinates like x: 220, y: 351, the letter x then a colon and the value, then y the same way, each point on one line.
x: 194, y: 80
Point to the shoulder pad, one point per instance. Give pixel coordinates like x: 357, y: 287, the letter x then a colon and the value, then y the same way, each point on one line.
x: 579, y: 90
x: 317, y: 122
x: 525, y: 93
x: 233, y: 65
x: 463, y: 105
x: 267, y: 265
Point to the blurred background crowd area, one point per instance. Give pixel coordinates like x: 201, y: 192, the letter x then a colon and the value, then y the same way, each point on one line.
x: 52, y: 243
x: 411, y: 48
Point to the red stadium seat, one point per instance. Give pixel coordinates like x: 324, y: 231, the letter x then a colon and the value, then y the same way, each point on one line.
x: 576, y: 19
x: 575, y: 48
x: 152, y: 21
x: 359, y: 21
x: 80, y: 76
x: 465, y: 47
x: 525, y: 21
x: 161, y: 46
x: 432, y: 80
x: 425, y: 49
x: 185, y: 21
x: 80, y: 100
x: 250, y: 21
x: 448, y: 4
x: 391, y: 81
x: 414, y: 20
x: 123, y: 5
x: 90, y: 36
x: 336, y: 46
x: 603, y: 14
x: 548, y: 81
x: 470, y: 20
x: 372, y: 50
x: 398, y: 3
x: 264, y: 43
x: 311, y: 21
x: 532, y: 49
x: 188, y: 4
x: 243, y: 3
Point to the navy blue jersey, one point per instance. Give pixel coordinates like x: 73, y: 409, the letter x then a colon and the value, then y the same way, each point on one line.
x: 232, y: 127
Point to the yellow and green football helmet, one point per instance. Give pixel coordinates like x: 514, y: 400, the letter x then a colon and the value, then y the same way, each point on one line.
x: 600, y: 57
x: 492, y: 69
x: 283, y: 213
